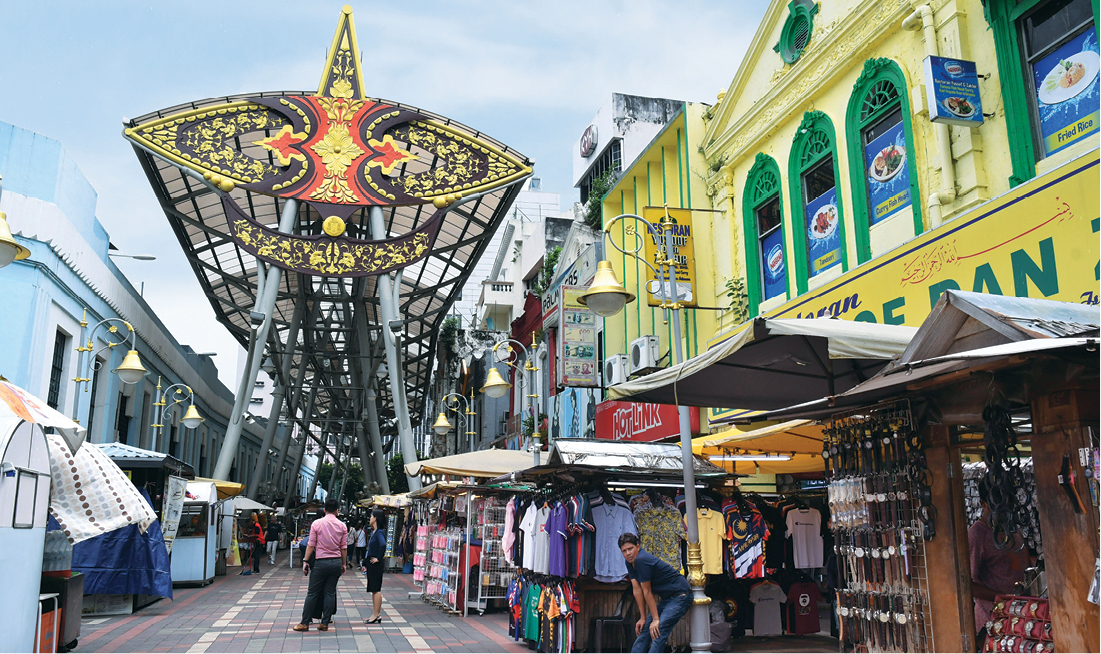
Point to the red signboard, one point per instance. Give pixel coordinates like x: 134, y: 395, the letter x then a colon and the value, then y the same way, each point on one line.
x: 645, y: 423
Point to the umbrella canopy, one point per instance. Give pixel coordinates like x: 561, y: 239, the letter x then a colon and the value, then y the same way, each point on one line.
x: 799, y: 441
x: 226, y: 489
x: 17, y: 405
x: 483, y: 463
x: 774, y: 363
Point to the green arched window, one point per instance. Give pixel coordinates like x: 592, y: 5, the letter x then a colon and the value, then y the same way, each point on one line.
x: 880, y: 139
x: 818, y: 225
x: 763, y: 223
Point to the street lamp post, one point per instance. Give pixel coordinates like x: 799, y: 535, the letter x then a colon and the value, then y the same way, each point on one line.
x: 177, y: 393
x: 130, y: 371
x: 453, y: 402
x: 607, y: 297
x: 496, y: 386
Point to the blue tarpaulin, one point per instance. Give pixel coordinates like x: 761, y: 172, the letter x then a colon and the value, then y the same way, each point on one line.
x: 125, y: 561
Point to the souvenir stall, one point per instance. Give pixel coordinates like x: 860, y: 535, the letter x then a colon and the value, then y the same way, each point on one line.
x: 194, y: 549
x: 1014, y: 382
x: 439, y: 513
x: 571, y: 592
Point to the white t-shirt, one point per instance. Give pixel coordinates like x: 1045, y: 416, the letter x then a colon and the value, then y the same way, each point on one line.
x: 805, y: 528
x: 767, y: 596
x: 361, y: 538
x: 527, y: 528
x: 541, y: 564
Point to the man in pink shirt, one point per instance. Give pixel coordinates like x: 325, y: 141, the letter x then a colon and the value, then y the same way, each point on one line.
x: 328, y: 541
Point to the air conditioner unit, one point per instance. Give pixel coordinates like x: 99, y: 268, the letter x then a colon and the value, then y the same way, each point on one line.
x: 644, y: 354
x: 615, y: 369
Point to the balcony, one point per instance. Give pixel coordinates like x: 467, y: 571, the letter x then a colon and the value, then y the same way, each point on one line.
x: 495, y: 306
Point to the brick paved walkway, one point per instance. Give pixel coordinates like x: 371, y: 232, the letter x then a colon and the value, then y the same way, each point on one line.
x: 256, y: 613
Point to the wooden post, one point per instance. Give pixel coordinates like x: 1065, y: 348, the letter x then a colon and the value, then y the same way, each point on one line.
x: 1060, y: 422
x: 947, y: 557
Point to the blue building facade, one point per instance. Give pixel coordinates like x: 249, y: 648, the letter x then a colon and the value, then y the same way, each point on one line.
x: 70, y: 277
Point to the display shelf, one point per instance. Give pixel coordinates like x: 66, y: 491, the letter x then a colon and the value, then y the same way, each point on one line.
x: 442, y: 576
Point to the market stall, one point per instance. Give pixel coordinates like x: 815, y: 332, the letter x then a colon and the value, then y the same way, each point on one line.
x: 194, y: 550
x: 1013, y: 381
x: 396, y: 508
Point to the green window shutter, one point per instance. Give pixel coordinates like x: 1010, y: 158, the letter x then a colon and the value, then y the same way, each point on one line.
x: 797, y: 30
x: 878, y: 90
x: 762, y: 184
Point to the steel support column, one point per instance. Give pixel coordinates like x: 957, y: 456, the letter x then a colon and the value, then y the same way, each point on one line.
x: 278, y: 398
x: 266, y: 293
x: 296, y: 468
x: 317, y: 469
x: 367, y: 366
x: 371, y: 414
x: 388, y: 310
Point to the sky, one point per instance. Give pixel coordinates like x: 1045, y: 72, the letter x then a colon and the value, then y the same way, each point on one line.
x: 530, y: 74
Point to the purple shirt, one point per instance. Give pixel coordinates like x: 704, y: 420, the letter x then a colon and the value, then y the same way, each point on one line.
x: 556, y: 528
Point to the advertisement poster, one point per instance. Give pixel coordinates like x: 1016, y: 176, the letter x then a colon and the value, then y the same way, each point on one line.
x: 1067, y: 92
x: 952, y: 89
x: 233, y: 554
x: 775, y: 273
x: 823, y: 235
x: 888, y: 173
x: 172, y: 509
x: 642, y: 423
x: 1038, y: 240
x: 683, y: 255
x: 578, y: 337
x: 573, y: 413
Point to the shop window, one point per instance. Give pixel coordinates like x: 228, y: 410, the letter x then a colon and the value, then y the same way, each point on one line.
x: 1056, y: 102
x: 818, y: 226
x: 880, y: 139
x: 763, y: 225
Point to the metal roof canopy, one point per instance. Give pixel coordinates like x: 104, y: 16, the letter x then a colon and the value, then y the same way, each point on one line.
x: 337, y: 346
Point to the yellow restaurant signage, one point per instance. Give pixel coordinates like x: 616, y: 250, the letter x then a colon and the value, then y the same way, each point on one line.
x: 684, y: 256
x: 1038, y: 240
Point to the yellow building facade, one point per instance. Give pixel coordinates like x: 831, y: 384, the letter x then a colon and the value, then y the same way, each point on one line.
x: 833, y: 192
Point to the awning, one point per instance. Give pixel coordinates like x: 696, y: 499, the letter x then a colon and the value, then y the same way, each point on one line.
x: 246, y: 505
x: 226, y: 489
x: 773, y: 363
x: 797, y: 441
x: 482, y: 463
x: 430, y: 491
x: 389, y: 501
x: 128, y: 456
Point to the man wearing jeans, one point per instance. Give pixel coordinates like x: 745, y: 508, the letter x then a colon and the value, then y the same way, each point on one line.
x: 329, y: 543
x: 652, y: 578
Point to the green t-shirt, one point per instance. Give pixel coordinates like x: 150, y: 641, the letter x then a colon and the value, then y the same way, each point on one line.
x: 531, y: 619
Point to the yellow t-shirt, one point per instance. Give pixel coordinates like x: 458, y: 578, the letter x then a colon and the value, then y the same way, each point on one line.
x: 712, y: 534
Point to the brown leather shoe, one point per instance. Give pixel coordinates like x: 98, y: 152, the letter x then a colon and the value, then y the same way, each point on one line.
x: 322, y: 627
x: 301, y: 627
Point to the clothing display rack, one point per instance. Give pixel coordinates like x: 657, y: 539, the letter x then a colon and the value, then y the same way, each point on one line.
x: 494, y: 572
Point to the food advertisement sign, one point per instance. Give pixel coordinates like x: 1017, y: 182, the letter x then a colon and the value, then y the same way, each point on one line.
x: 1038, y: 240
x: 823, y: 233
x: 683, y: 255
x: 578, y: 330
x: 952, y: 87
x: 888, y: 174
x: 1067, y: 96
x: 775, y: 273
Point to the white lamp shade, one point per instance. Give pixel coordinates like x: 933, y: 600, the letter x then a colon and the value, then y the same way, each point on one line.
x: 192, y: 419
x: 7, y: 253
x: 606, y: 304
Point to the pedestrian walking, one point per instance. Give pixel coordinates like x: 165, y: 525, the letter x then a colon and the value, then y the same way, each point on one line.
x: 373, y: 565
x: 361, y: 543
x: 328, y: 543
x: 352, y: 536
x: 272, y: 537
x: 255, y: 536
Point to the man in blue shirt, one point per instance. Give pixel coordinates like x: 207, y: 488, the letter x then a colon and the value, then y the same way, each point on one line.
x: 652, y: 578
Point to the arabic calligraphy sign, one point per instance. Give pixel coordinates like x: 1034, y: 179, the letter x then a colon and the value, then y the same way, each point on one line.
x: 1038, y: 240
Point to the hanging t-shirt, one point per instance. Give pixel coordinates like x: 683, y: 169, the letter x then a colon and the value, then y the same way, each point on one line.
x: 767, y: 597
x: 803, y: 601
x: 527, y: 528
x: 531, y: 612
x: 712, y: 535
x: 805, y: 528
x: 556, y: 533
x: 661, y: 529
x: 611, y: 521
x: 542, y: 542
x: 508, y: 538
x: 747, y: 532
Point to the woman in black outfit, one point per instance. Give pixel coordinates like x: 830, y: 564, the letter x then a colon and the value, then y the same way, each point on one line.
x: 376, y: 551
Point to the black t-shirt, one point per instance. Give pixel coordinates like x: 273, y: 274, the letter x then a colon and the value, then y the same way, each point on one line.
x: 664, y: 580
x: 272, y: 533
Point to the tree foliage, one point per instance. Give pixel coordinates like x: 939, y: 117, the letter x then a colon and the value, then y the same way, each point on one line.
x: 550, y: 262
x: 395, y: 473
x: 355, y: 480
x: 598, y: 188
